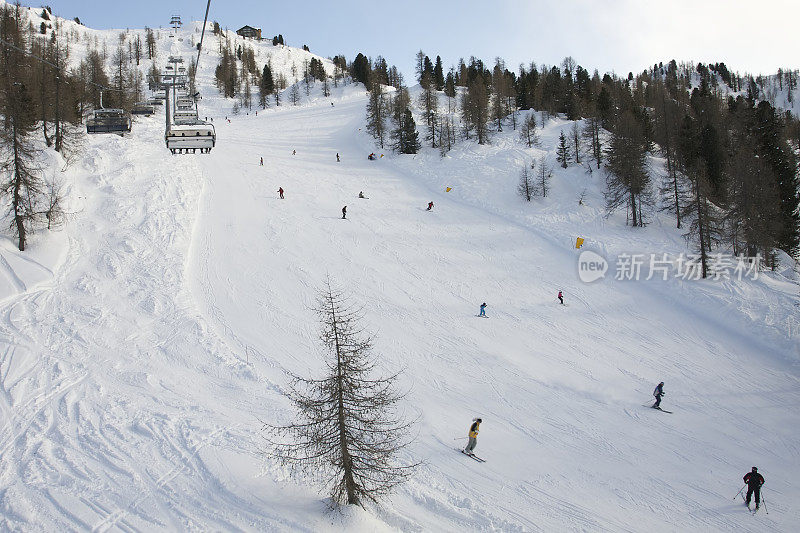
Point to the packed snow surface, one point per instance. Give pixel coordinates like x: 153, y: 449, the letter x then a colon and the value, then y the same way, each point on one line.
x: 142, y: 346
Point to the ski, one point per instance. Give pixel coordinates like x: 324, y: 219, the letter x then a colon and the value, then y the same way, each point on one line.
x: 472, y: 455
x: 662, y: 410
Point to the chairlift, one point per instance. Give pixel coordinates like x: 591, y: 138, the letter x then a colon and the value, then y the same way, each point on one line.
x: 183, y: 116
x: 108, y: 120
x: 190, y: 136
x: 143, y: 108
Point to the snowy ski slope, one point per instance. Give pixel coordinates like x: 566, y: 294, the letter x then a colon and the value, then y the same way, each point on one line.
x: 137, y: 363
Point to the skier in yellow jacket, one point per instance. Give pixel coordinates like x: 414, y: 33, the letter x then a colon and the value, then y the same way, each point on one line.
x: 473, y: 436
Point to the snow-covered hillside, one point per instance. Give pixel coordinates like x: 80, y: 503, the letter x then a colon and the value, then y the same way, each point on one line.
x: 156, y: 330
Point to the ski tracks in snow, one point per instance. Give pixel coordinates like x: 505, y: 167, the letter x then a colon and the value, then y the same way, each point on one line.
x: 97, y: 372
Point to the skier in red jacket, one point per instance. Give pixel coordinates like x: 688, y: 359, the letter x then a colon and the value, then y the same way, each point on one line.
x: 280, y: 191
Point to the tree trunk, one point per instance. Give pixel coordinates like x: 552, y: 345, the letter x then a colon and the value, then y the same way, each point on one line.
x: 42, y: 102
x: 701, y: 227
x: 16, y: 202
x: 59, y: 133
x: 347, y: 461
x: 670, y: 166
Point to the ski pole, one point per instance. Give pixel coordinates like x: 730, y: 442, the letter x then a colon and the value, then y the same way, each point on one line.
x: 764, y: 501
x: 461, y: 438
x: 740, y: 491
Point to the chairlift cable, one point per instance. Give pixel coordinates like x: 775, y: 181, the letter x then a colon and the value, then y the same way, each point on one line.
x: 200, y: 47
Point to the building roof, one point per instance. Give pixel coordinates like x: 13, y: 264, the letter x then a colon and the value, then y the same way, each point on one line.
x: 245, y: 28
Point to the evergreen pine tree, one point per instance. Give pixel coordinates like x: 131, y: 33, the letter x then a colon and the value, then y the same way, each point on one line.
x: 562, y: 151
x: 784, y: 165
x: 405, y: 135
x: 450, y: 85
x: 627, y: 178
x: 438, y: 74
x: 360, y: 70
x: 266, y: 87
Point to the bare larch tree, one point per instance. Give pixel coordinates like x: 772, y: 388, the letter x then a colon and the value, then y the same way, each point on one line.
x: 348, y: 431
x: 526, y: 187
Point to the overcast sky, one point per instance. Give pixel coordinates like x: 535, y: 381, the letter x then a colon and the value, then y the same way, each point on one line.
x: 610, y: 35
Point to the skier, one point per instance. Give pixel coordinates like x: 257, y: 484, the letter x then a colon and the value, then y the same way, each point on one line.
x: 337, y: 157
x: 473, y: 436
x: 483, y: 310
x: 430, y: 206
x: 262, y: 162
x: 294, y: 152
x: 344, y: 212
x: 280, y: 191
x: 361, y: 194
x: 561, y: 297
x: 371, y: 156
x: 658, y: 393
x: 754, y: 481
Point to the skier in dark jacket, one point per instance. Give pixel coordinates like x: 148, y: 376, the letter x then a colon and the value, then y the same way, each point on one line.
x: 754, y: 481
x: 344, y: 212
x: 483, y: 310
x: 280, y: 192
x: 658, y: 393
x: 473, y: 436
